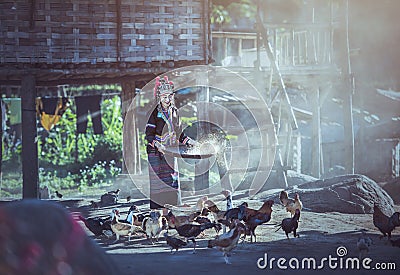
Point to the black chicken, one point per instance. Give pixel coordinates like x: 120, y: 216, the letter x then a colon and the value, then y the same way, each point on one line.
x: 235, y: 213
x: 96, y: 225
x: 59, y: 195
x: 384, y: 223
x: 174, y: 243
x: 191, y: 231
x: 254, y: 221
x: 291, y: 224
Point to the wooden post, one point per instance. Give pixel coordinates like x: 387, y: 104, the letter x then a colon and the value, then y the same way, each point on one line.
x: 132, y: 148
x: 316, y: 137
x: 348, y: 104
x: 30, y: 188
x: 348, y: 131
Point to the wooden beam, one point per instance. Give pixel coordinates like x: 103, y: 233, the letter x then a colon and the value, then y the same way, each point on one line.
x: 131, y: 144
x: 316, y: 136
x: 30, y: 166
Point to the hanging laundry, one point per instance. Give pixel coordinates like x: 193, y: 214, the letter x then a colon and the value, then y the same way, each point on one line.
x: 14, y: 105
x: 85, y: 104
x: 50, y: 110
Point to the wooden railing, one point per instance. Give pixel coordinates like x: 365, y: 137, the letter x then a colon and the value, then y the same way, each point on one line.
x: 293, y: 45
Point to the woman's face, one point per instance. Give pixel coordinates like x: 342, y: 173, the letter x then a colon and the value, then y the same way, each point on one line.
x: 166, y: 100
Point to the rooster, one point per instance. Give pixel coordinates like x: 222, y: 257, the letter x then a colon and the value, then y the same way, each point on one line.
x: 122, y: 229
x: 290, y: 204
x: 153, y: 225
x: 253, y: 221
x: 266, y: 208
x: 174, y: 243
x: 290, y: 224
x: 384, y: 223
x: 191, y: 231
x: 227, y: 242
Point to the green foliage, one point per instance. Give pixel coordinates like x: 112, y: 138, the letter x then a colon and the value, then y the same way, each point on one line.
x: 219, y: 15
x: 242, y: 9
x: 100, y: 155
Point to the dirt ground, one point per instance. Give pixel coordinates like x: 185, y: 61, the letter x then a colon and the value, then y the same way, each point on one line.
x: 321, y: 235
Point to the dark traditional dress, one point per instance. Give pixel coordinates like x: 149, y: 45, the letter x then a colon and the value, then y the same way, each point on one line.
x: 163, y: 127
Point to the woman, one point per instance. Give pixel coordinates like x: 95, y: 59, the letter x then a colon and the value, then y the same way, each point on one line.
x: 164, y: 129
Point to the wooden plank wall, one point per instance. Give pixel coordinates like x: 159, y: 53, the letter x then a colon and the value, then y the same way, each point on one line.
x: 95, y: 31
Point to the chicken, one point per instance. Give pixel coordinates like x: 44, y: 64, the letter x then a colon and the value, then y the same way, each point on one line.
x: 153, y: 225
x: 94, y: 205
x: 290, y: 204
x: 176, y: 221
x: 191, y: 231
x: 132, y: 218
x: 216, y: 212
x: 227, y: 242
x: 228, y: 197
x: 200, y: 205
x: 174, y: 243
x: 235, y: 213
x: 253, y: 221
x: 122, y: 229
x: 291, y: 224
x: 96, y: 225
x: 266, y: 208
x: 59, y: 195
x: 384, y: 223
x: 116, y: 192
x: 363, y: 244
x: 203, y: 219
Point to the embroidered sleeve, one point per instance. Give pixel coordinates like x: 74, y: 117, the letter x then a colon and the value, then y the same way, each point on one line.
x: 151, y: 130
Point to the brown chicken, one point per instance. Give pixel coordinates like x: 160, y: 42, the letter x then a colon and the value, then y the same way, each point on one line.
x: 227, y: 242
x: 176, y: 221
x: 290, y: 204
x: 123, y: 229
x: 266, y: 208
x: 384, y: 223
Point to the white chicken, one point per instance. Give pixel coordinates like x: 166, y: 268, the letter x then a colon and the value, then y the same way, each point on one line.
x: 122, y: 229
x: 154, y: 224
